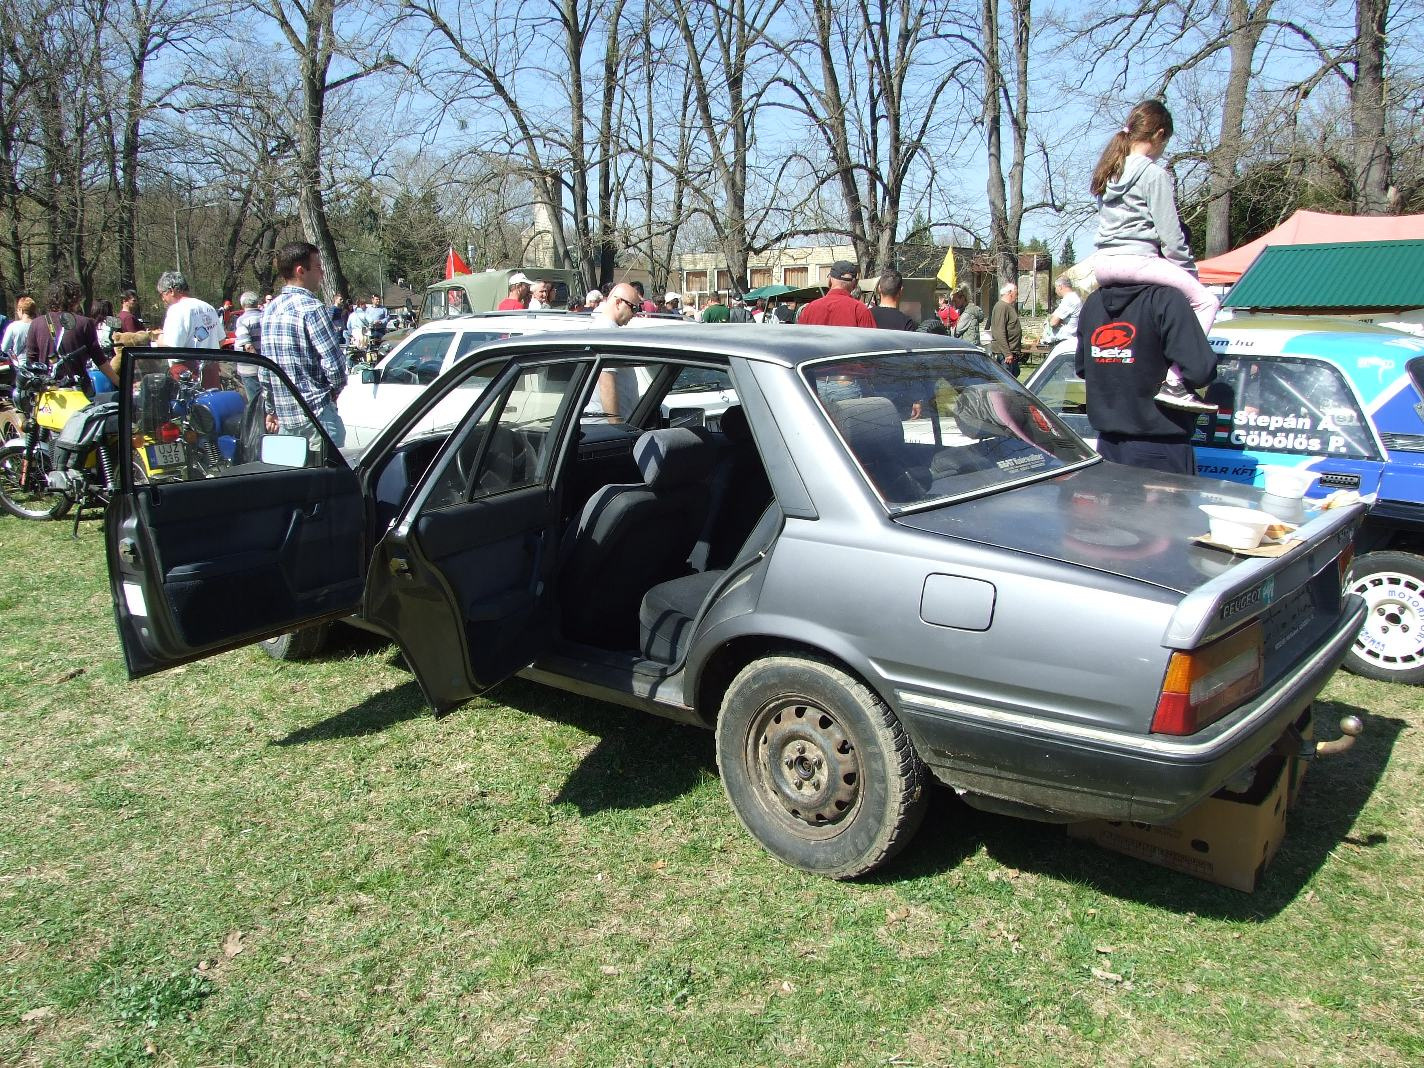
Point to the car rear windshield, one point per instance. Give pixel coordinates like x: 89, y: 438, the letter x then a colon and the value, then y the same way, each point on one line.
x: 926, y: 426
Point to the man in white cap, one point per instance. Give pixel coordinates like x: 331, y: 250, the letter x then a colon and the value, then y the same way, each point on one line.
x: 519, y: 290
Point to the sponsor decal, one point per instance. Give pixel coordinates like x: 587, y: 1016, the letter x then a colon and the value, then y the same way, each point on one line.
x: 1112, y: 343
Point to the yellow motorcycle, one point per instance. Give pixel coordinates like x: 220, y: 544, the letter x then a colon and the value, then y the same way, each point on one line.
x: 65, y: 455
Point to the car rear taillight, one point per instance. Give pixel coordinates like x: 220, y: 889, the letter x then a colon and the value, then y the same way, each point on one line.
x: 1345, y: 560
x: 1203, y: 685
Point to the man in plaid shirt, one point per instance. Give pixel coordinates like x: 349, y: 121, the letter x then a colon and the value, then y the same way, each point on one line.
x: 298, y: 337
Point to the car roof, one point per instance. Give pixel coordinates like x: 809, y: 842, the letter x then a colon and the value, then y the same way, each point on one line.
x: 787, y: 346
x: 1352, y: 346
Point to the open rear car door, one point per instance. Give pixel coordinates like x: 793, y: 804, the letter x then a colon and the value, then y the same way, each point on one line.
x: 222, y: 533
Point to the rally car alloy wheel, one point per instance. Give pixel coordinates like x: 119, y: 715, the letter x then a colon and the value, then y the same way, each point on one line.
x: 1390, y: 645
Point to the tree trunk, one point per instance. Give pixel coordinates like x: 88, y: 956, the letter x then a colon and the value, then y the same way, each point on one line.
x: 1244, y: 28
x: 1002, y: 245
x: 1372, y: 157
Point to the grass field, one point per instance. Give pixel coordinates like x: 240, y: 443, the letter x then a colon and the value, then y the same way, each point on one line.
x: 247, y: 862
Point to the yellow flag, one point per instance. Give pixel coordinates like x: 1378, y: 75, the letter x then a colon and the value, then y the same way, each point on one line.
x: 946, y: 269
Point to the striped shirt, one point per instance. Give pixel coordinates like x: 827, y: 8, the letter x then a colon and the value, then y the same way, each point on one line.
x: 298, y: 337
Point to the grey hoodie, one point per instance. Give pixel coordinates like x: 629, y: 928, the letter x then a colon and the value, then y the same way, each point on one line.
x: 1137, y: 215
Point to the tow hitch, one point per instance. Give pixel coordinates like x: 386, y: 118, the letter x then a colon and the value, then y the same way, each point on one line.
x: 1351, y: 727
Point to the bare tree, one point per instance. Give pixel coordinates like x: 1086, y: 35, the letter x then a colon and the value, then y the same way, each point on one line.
x: 872, y: 94
x: 311, y: 33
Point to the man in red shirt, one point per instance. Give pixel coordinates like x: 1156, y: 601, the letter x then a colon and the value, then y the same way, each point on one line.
x: 839, y: 307
x: 519, y: 292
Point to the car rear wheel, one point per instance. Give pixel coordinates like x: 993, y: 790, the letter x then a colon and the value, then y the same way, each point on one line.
x: 298, y: 644
x: 1390, y: 645
x: 817, y: 767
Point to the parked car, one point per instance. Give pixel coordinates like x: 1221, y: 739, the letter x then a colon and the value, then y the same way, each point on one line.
x: 891, y: 564
x: 382, y: 392
x: 1342, y: 400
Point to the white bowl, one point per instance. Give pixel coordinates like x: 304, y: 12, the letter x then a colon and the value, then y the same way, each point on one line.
x: 1287, y: 481
x: 1237, y: 528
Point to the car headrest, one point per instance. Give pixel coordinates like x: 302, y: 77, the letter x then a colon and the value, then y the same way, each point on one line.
x: 988, y: 411
x: 674, y: 457
x: 870, y: 424
x: 734, y: 424
x: 975, y: 414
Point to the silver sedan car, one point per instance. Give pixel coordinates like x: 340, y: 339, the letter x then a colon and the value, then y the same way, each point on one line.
x: 889, y: 564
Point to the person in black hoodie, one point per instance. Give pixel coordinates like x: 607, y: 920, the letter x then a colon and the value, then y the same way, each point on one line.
x: 1127, y: 337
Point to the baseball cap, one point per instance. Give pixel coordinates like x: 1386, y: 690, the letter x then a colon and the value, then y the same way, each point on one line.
x: 845, y: 271
x: 518, y: 279
x: 672, y: 297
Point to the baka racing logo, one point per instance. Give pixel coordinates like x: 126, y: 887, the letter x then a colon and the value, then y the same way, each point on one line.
x: 1112, y: 343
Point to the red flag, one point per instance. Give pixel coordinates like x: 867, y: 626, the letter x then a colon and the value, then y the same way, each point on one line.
x: 454, y: 264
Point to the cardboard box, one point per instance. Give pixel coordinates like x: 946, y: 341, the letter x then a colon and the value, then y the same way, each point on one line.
x: 1228, y: 839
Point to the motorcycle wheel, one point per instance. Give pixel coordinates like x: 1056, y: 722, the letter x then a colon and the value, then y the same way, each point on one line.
x: 31, y: 497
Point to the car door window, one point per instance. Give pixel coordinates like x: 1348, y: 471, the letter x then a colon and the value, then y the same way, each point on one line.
x: 184, y: 432
x: 1298, y: 406
x: 513, y: 443
x: 470, y: 340
x: 419, y: 361
x: 618, y: 391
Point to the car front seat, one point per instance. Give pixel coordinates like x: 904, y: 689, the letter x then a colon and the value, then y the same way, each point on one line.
x: 629, y: 538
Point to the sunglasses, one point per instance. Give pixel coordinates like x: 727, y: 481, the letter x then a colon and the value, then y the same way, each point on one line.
x: 625, y: 300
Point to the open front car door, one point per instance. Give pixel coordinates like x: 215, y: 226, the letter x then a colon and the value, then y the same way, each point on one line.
x: 224, y: 532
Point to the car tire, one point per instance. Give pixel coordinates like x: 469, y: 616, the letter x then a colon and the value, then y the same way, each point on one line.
x: 303, y: 644
x: 1390, y: 645
x: 817, y: 767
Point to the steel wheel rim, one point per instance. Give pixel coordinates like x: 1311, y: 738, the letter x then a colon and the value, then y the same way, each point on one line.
x: 1391, y: 637
x: 805, y: 768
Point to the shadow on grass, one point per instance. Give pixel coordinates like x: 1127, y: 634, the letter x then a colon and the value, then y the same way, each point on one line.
x: 371, y: 716
x: 1336, y: 789
x: 638, y: 761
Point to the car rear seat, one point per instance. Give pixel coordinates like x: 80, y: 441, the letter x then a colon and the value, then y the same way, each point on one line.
x: 739, y: 493
x: 631, y: 537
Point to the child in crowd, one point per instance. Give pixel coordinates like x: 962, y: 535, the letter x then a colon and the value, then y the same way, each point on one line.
x: 1141, y: 240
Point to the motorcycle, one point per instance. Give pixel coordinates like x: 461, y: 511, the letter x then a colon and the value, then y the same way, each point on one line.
x: 67, y: 454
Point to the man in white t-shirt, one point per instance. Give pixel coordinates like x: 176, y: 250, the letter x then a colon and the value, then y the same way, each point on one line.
x: 189, y: 323
x: 1063, y: 323
x: 617, y: 391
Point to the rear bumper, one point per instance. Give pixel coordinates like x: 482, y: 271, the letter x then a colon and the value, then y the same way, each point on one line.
x: 1065, y: 772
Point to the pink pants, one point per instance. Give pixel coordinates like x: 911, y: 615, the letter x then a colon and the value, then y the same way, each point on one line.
x: 1155, y: 271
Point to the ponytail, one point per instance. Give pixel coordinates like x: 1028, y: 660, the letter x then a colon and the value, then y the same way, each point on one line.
x: 1144, y: 123
x: 1110, y: 163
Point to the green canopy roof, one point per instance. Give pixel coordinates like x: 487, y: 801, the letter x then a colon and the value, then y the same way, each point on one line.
x: 1344, y: 275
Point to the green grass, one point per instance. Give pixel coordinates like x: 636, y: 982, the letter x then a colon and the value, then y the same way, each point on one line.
x: 246, y: 862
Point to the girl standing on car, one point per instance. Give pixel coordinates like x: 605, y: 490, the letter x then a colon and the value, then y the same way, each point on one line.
x: 1141, y: 240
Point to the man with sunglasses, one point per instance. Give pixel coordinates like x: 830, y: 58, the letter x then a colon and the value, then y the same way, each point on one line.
x: 618, y: 308
x: 617, y: 390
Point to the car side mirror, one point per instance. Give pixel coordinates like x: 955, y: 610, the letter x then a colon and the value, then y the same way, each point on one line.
x: 370, y: 376
x: 284, y: 450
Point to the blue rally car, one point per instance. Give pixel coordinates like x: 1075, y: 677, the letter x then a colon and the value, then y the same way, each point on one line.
x: 1342, y: 400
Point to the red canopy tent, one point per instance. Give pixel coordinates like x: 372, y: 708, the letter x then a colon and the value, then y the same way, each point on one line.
x: 1310, y: 228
